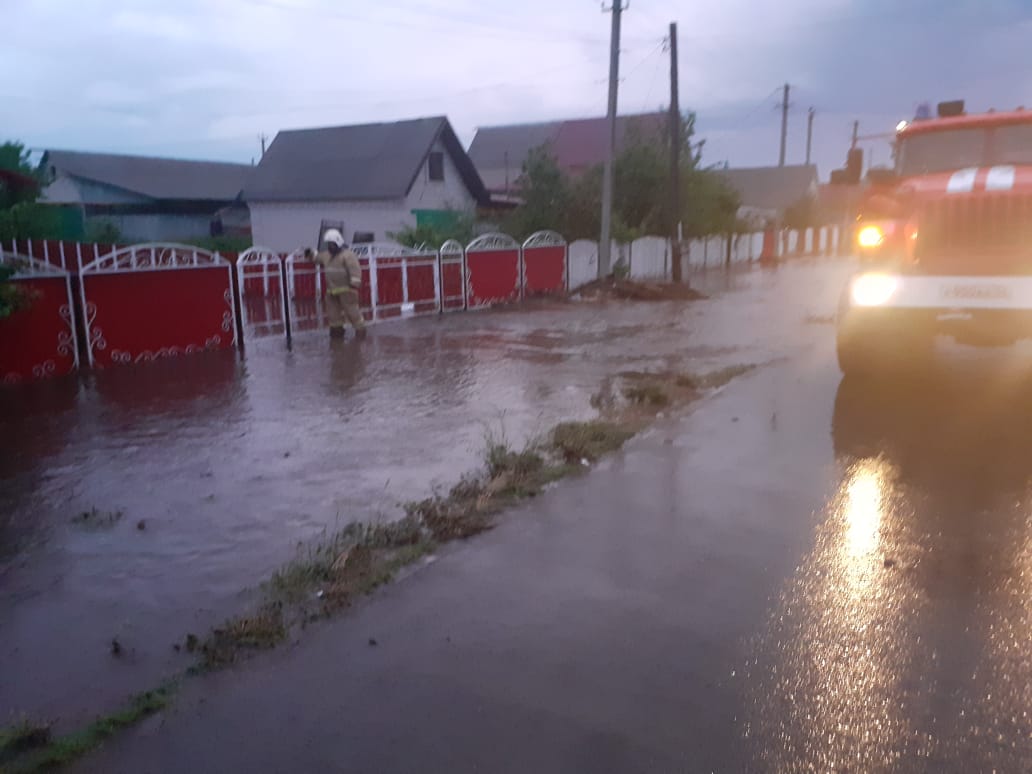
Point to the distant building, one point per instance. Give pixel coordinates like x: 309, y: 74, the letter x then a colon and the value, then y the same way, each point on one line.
x: 499, y: 152
x: 766, y: 193
x: 145, y: 198
x: 368, y: 180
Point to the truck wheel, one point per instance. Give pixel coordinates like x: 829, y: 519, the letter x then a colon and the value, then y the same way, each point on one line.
x: 903, y: 354
x: 856, y: 357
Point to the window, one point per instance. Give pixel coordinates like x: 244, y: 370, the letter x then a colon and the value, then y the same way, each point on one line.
x: 1013, y: 144
x: 436, y: 165
x: 930, y: 152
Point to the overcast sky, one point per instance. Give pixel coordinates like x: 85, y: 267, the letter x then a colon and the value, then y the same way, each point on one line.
x: 203, y: 78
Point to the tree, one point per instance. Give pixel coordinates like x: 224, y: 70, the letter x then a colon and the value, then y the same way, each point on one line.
x: 20, y: 216
x: 545, y: 192
x: 452, y: 224
x: 552, y: 200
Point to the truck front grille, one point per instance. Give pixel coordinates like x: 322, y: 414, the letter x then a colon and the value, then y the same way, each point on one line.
x: 989, y: 234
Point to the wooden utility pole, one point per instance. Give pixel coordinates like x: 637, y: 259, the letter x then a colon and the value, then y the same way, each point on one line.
x: 784, y: 125
x: 809, y: 133
x: 675, y: 162
x: 856, y: 134
x: 605, y: 239
x: 262, y: 138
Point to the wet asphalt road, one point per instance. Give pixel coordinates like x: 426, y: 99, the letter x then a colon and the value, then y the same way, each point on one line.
x: 800, y: 574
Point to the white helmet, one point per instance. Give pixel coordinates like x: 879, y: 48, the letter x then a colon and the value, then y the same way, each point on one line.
x: 333, y: 236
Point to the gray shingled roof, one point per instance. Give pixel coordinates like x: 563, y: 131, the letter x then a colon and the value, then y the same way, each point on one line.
x: 771, y: 188
x: 355, y: 163
x: 155, y: 177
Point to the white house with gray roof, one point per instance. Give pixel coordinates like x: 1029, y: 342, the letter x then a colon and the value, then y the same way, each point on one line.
x: 370, y: 180
x: 146, y: 198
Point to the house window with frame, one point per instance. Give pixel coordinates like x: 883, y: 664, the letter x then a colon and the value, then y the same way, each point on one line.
x: 435, y: 166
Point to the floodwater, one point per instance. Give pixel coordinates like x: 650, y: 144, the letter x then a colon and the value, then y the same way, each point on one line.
x: 220, y: 464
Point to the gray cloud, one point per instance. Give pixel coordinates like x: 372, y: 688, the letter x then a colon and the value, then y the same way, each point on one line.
x: 203, y: 79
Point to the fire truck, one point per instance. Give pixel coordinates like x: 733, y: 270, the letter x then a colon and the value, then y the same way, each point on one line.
x: 944, y: 242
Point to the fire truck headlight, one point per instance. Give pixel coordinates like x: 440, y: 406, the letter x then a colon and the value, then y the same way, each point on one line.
x: 870, y: 236
x: 873, y: 289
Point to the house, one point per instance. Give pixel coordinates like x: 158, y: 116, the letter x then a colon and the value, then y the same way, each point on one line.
x: 369, y: 180
x: 146, y: 199
x: 766, y: 193
x: 498, y: 152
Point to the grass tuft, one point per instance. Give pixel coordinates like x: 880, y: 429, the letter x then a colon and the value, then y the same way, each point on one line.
x: 576, y: 441
x: 68, y: 748
x: 648, y: 394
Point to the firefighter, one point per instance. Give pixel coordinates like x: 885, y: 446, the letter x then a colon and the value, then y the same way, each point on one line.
x: 343, y: 280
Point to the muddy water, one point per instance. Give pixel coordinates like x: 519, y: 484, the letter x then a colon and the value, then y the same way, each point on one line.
x: 221, y: 464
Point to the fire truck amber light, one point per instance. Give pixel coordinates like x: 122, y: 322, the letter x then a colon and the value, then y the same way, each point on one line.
x: 874, y: 289
x: 870, y: 236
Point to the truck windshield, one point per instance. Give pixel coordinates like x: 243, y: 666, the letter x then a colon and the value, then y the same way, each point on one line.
x: 925, y: 154
x: 1012, y: 144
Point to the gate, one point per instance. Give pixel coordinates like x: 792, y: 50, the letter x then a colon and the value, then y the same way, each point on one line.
x: 453, y: 276
x: 544, y: 265
x: 39, y: 339
x: 401, y: 281
x: 492, y: 271
x: 156, y: 300
x: 304, y: 293
x: 260, y: 284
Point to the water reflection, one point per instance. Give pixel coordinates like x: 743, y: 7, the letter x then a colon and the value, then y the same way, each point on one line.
x: 902, y: 641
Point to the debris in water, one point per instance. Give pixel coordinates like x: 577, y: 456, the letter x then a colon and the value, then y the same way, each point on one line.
x: 372, y: 642
x: 116, y: 647
x: 177, y: 647
x: 141, y: 525
x: 286, y: 454
x: 320, y: 594
x: 191, y: 643
x: 97, y: 519
x: 584, y: 461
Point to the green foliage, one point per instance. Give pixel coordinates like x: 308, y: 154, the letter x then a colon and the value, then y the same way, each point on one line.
x: 102, y: 232
x: 15, y: 157
x: 641, y: 173
x: 28, y: 220
x: 222, y: 244
x: 454, y: 224
x: 12, y: 297
x: 25, y: 188
x: 546, y: 194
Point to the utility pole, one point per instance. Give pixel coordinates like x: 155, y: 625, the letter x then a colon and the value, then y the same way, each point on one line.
x: 262, y: 138
x: 675, y: 162
x: 605, y: 240
x: 784, y: 125
x: 856, y: 135
x: 809, y: 133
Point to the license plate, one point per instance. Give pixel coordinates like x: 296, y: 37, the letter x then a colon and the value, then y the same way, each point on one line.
x: 967, y: 292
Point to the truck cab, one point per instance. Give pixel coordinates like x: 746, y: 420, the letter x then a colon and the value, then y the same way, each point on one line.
x: 944, y: 242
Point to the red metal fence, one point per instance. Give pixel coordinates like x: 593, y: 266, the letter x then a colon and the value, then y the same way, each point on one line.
x: 38, y: 340
x: 141, y: 302
x: 150, y: 301
x: 544, y: 265
x: 493, y: 271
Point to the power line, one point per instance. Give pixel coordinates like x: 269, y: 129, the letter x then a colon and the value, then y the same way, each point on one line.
x: 646, y: 58
x: 652, y: 84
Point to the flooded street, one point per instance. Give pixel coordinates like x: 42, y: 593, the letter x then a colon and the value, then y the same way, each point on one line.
x: 800, y: 573
x: 213, y: 468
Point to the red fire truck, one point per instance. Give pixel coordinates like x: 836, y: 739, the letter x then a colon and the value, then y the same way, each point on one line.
x: 945, y: 242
